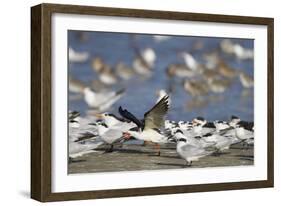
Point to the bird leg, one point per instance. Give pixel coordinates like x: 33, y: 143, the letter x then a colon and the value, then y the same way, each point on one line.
x: 188, y: 163
x: 157, y: 147
x: 126, y: 135
x: 145, y: 143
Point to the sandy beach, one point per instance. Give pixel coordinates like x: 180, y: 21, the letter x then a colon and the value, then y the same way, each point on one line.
x: 135, y: 157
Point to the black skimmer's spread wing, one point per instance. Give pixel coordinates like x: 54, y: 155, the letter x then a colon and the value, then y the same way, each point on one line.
x: 155, y: 117
x: 128, y: 115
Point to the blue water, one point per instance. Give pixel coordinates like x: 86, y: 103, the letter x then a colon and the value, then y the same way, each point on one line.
x: 140, y: 93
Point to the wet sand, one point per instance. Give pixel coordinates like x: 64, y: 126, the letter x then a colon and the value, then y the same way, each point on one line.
x: 135, y: 157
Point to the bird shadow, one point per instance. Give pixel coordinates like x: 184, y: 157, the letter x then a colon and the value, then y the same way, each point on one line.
x: 241, y: 148
x: 131, y: 151
x: 248, y: 159
x: 76, y: 161
x: 171, y: 164
x: 219, y: 154
x: 169, y: 157
x: 237, y: 148
x: 153, y: 155
x: 169, y: 148
x: 245, y: 157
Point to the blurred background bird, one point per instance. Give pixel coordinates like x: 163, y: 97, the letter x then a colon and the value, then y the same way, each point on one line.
x: 205, y: 76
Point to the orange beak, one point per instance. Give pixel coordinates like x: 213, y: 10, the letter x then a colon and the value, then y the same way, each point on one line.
x: 126, y: 135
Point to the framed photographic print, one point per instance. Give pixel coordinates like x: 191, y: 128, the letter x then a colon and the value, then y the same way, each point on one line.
x: 132, y: 102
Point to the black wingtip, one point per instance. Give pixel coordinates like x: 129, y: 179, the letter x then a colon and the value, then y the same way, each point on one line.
x: 234, y: 117
x: 165, y: 100
x: 129, y: 116
x: 120, y: 109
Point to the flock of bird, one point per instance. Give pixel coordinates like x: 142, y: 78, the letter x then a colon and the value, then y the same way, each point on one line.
x: 194, y: 139
x: 198, y: 77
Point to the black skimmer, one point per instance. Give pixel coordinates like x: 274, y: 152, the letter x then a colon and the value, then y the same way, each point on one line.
x: 149, y: 127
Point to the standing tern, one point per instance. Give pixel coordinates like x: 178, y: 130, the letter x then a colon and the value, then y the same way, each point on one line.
x: 202, y: 127
x: 196, y: 141
x: 235, y: 121
x: 108, y: 135
x: 243, y: 133
x: 82, y: 139
x: 190, y: 152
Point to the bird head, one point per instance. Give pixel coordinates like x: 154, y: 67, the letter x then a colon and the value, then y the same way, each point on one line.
x: 199, y: 120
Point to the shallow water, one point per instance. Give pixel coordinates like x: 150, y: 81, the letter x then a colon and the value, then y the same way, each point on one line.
x: 140, y: 93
